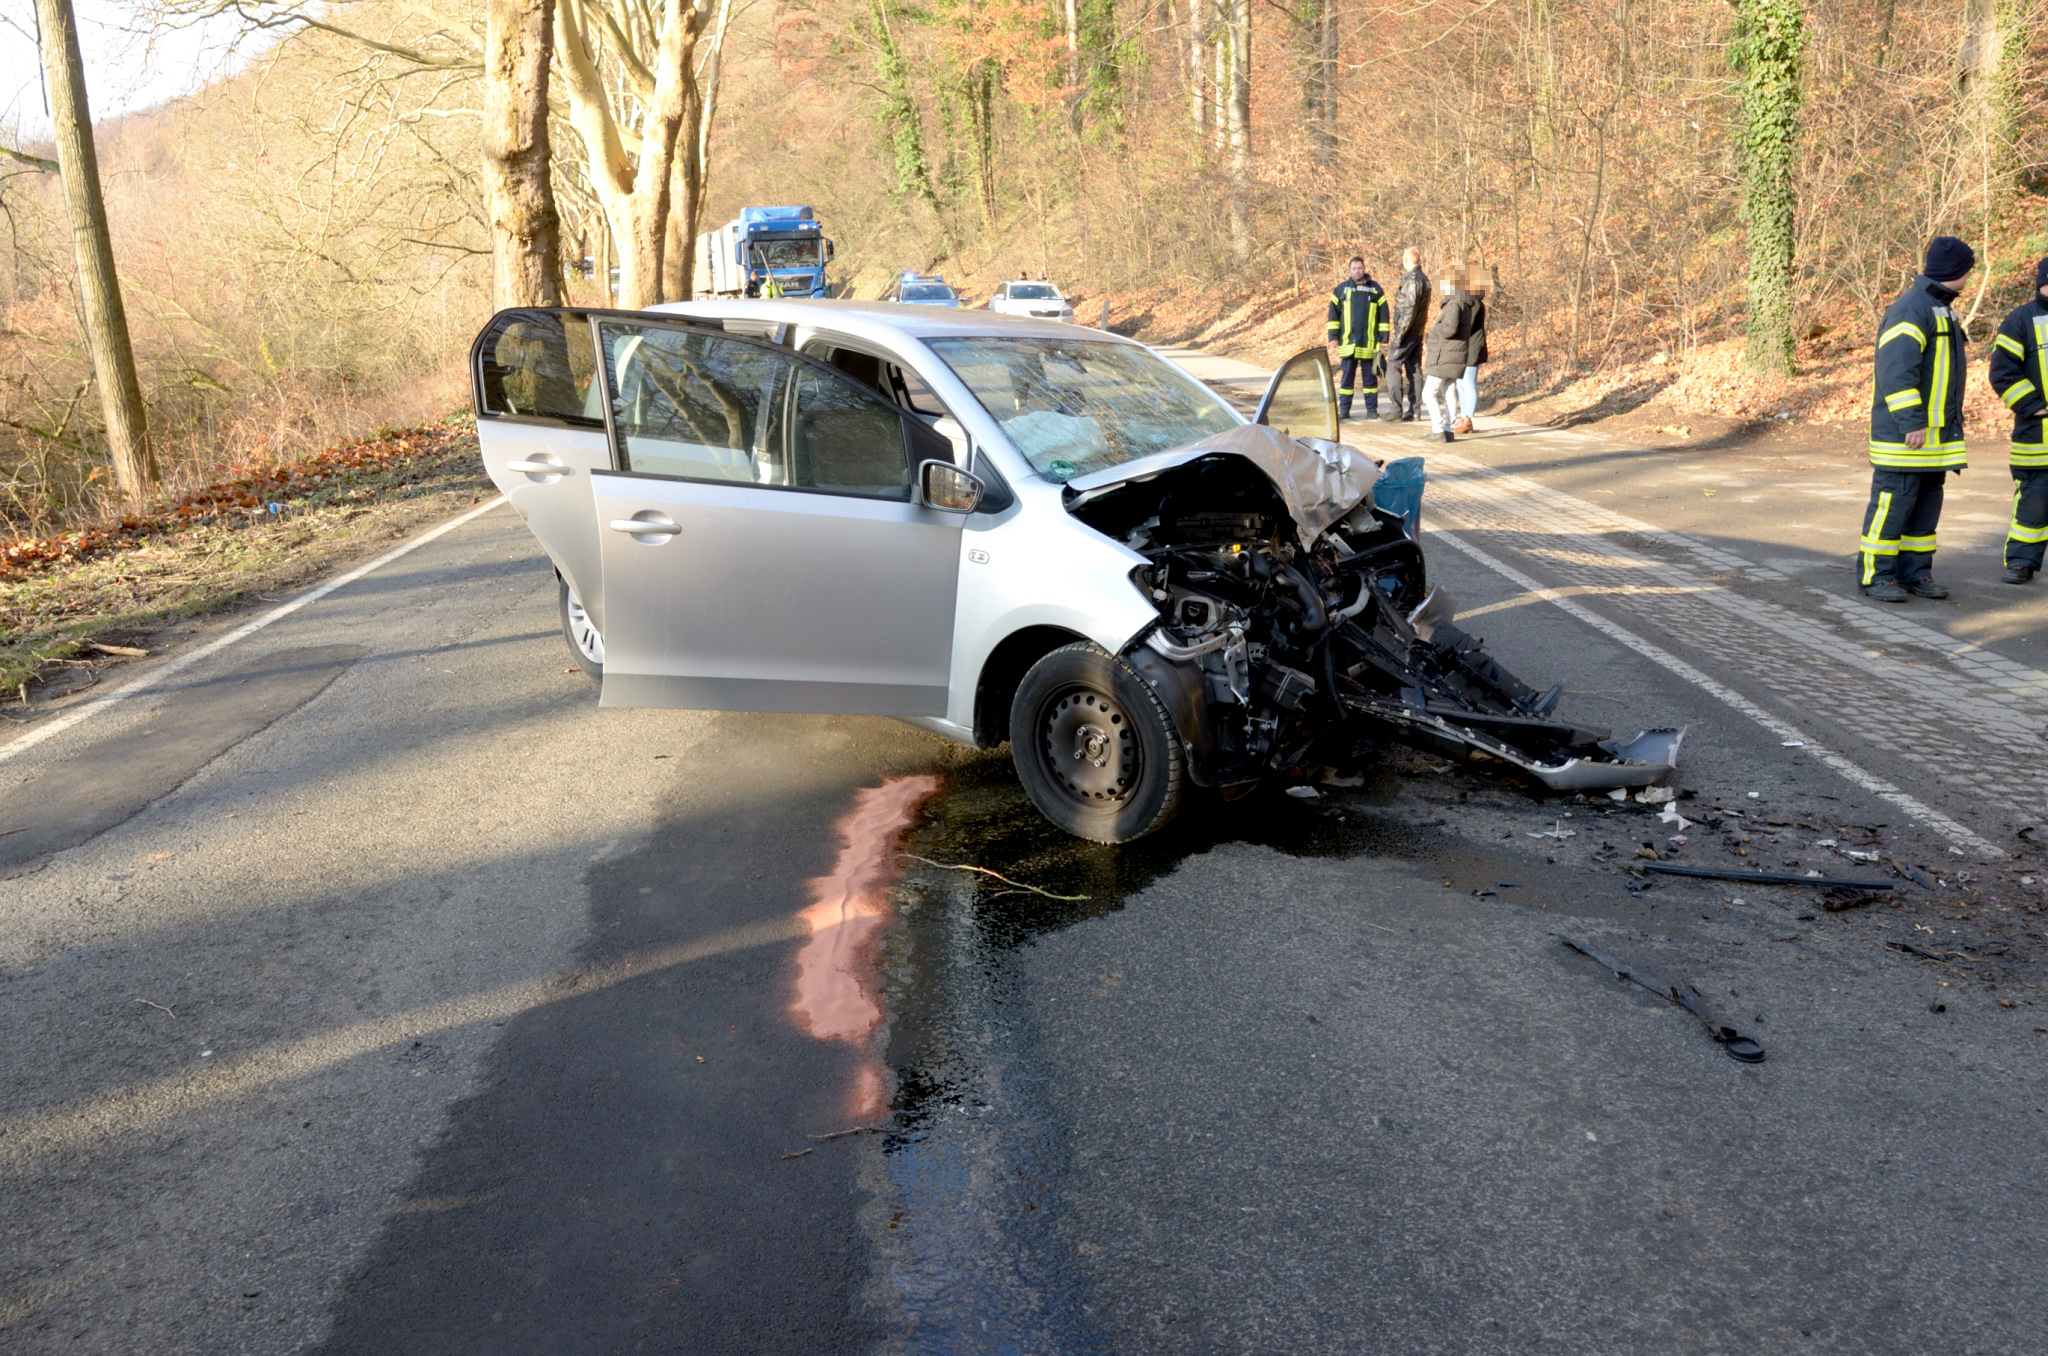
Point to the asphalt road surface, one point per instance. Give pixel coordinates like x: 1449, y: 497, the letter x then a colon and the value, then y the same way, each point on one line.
x: 369, y: 990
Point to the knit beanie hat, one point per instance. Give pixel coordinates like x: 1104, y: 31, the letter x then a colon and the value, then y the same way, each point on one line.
x: 1948, y: 257
x: 2041, y: 274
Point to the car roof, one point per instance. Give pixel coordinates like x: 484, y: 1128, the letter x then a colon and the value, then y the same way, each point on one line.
x: 882, y: 318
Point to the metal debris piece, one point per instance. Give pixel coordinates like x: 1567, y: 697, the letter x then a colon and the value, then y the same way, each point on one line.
x: 1746, y: 1049
x: 1918, y: 878
x: 1771, y: 877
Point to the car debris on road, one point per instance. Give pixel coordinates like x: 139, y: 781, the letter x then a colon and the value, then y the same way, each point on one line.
x: 1746, y: 1049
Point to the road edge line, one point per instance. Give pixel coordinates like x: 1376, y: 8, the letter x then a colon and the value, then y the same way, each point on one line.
x: 1656, y: 654
x: 58, y: 724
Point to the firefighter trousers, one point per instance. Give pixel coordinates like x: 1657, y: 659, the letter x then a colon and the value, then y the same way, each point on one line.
x: 1355, y: 377
x: 1898, y: 527
x: 2027, y: 539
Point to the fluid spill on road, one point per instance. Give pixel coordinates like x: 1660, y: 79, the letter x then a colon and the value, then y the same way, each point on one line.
x: 836, y: 988
x: 966, y: 1207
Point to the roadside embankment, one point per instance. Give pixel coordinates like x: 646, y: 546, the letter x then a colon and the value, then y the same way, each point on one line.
x: 75, y: 602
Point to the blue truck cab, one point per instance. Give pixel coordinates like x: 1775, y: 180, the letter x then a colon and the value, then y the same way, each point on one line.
x: 784, y: 244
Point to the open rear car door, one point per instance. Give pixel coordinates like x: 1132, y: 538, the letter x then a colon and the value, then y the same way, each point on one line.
x: 540, y: 426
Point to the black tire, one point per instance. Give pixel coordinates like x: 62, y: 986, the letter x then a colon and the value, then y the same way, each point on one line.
x: 1095, y: 749
x: 578, y: 632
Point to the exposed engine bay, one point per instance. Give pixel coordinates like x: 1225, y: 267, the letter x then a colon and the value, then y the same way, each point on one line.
x: 1282, y: 648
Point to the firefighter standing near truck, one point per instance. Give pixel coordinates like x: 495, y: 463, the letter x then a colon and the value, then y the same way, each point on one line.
x: 1357, y: 330
x: 2019, y: 373
x: 1916, y: 427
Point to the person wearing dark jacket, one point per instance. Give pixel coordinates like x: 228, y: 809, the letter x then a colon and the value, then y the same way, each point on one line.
x: 1468, y: 384
x: 1357, y: 331
x: 1916, y: 426
x: 1404, y: 348
x: 1448, y: 354
x: 2019, y: 373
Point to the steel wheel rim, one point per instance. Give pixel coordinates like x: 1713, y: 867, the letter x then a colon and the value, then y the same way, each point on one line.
x: 1087, y: 743
x: 583, y: 632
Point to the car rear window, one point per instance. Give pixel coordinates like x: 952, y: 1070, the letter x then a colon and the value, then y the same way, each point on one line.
x: 1072, y: 407
x: 926, y: 292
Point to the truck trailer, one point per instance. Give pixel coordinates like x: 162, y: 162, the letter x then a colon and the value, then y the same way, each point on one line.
x: 785, y: 244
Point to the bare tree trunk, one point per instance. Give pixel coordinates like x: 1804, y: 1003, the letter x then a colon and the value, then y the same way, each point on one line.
x: 1238, y: 99
x: 99, y: 287
x: 1073, y: 18
x: 526, y: 231
x: 1197, y: 106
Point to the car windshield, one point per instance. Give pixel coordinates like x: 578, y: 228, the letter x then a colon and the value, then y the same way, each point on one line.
x: 927, y: 292
x: 1034, y: 292
x: 785, y: 253
x: 1075, y: 407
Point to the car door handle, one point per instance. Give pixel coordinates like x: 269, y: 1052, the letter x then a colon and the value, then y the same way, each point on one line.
x: 642, y: 527
x: 538, y: 468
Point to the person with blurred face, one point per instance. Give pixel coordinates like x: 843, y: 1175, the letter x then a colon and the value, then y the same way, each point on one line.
x: 1357, y: 328
x: 2019, y: 373
x: 1447, y: 356
x: 1468, y: 384
x: 1916, y: 427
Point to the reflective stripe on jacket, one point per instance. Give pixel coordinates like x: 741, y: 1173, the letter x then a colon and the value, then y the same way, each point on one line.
x: 2019, y: 373
x: 1358, y: 318
x: 1921, y: 361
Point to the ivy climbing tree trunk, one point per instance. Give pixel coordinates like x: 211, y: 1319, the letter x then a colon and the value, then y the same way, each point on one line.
x: 899, y: 112
x: 1768, y: 55
x: 99, y: 287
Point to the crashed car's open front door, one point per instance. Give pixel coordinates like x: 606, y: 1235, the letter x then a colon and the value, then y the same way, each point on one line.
x: 540, y: 427
x: 763, y: 543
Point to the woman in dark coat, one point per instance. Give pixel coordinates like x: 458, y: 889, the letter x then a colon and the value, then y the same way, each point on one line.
x: 1447, y: 354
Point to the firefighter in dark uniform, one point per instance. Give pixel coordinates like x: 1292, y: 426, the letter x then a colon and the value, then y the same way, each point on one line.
x: 1358, y: 328
x: 2019, y: 373
x: 1916, y: 427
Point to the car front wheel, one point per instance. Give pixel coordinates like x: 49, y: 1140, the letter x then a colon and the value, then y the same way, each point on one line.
x: 1097, y: 753
x: 585, y: 641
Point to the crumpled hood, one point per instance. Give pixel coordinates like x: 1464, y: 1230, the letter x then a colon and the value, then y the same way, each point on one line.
x: 1320, y: 481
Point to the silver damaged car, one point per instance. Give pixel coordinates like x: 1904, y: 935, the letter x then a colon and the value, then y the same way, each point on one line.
x: 1000, y: 529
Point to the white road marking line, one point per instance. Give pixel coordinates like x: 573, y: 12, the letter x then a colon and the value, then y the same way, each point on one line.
x: 58, y: 724
x: 1926, y: 814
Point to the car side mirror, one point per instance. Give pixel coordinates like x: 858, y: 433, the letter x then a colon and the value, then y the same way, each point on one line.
x: 944, y: 486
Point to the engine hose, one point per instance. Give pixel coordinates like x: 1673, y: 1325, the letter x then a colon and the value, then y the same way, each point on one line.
x: 1314, y: 617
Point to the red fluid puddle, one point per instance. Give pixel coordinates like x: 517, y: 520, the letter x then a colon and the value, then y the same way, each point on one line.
x: 836, y: 998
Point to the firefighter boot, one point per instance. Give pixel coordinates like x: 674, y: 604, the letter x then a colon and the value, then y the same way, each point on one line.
x: 1885, y: 591
x: 1924, y: 587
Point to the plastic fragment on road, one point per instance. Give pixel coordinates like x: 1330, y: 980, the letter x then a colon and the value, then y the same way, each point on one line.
x: 1618, y: 793
x: 1672, y: 817
x: 1746, y: 1049
x: 1795, y: 743
x: 1656, y: 795
x: 1556, y: 830
x: 1303, y: 792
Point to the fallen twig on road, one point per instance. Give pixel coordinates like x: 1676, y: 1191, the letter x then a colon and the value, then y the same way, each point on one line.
x: 951, y: 866
x: 158, y: 1006
x: 842, y: 1134
x: 800, y: 1153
